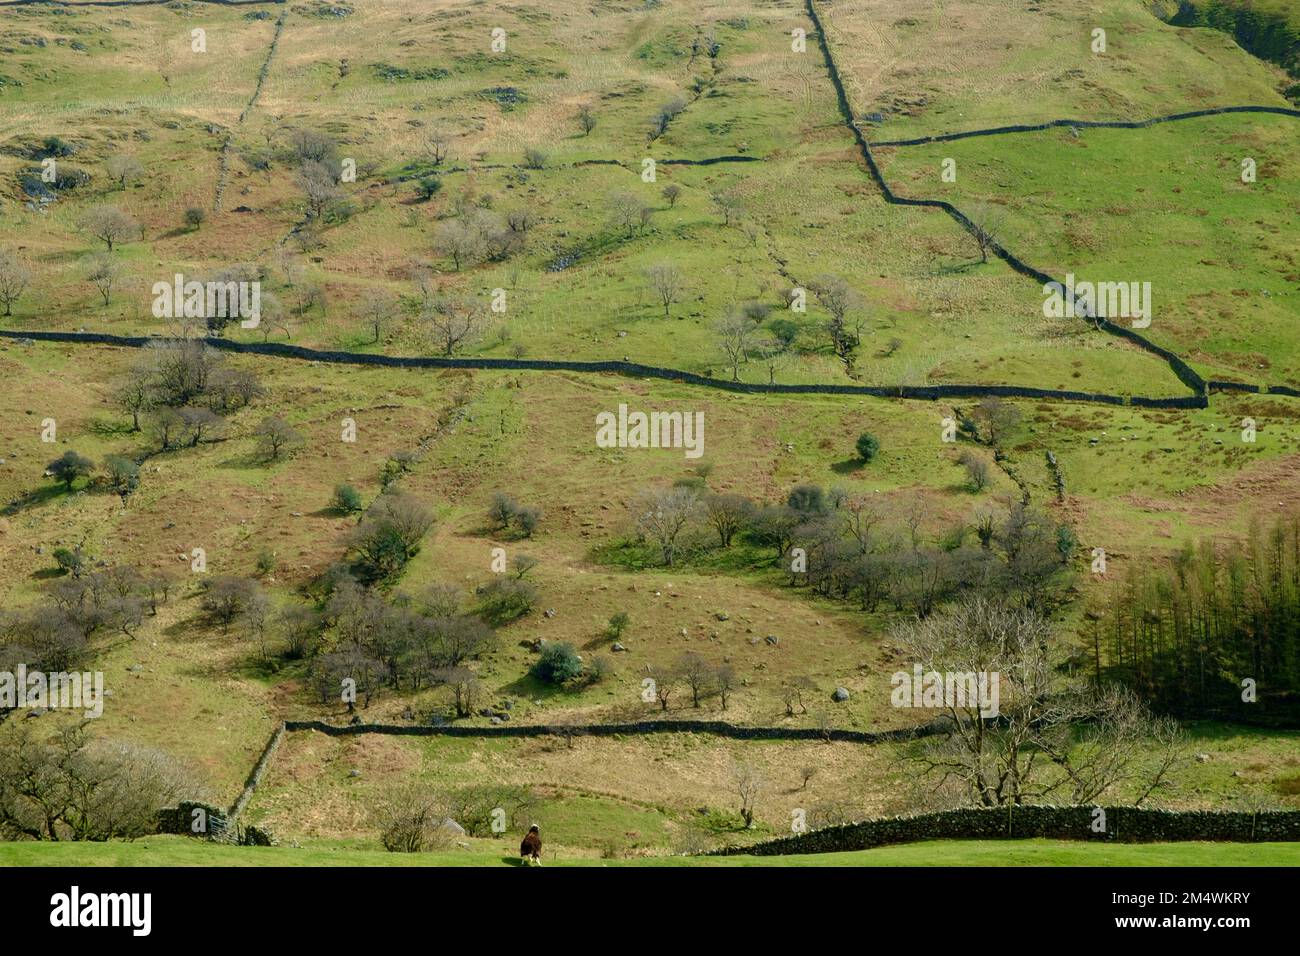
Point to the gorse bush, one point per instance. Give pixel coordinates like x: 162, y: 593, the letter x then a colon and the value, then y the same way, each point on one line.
x: 558, y: 664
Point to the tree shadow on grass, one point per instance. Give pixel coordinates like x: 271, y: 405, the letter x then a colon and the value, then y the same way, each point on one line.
x: 848, y: 466
x: 109, y: 428
x: 40, y: 496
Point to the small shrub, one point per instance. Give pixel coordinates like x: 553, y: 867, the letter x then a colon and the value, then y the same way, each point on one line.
x: 559, y: 664
x: 346, y: 499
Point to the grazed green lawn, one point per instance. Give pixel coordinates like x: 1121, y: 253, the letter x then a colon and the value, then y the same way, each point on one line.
x: 182, y: 851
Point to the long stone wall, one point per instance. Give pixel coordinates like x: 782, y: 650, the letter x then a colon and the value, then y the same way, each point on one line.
x: 715, y: 727
x: 632, y: 369
x: 1121, y: 825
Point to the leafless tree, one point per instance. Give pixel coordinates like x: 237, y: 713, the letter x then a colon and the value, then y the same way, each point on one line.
x: 465, y: 687
x: 845, y: 328
x: 104, y: 271
x: 134, y: 393
x: 665, y: 282
x: 666, y: 681
x: 662, y: 515
x: 729, y: 206
x: 226, y: 597
x: 1031, y: 751
x: 437, y: 144
x: 724, y: 682
x: 586, y: 118
x: 454, y: 322
x: 411, y: 819
x: 319, y: 188
x: 977, y: 470
x: 74, y: 786
x: 728, y: 514
x: 110, y: 225
x: 735, y: 338
x: 667, y: 113
x: 749, y: 786
x: 123, y: 169
x: 996, y: 418
x: 986, y: 226
x: 625, y: 211
x: 378, y: 309
x: 200, y: 423
x: 14, y: 277
x: 697, y: 674
x: 275, y: 436
x: 461, y: 240
x: 774, y: 356
x: 671, y: 193
x: 793, y: 693
x: 311, y: 146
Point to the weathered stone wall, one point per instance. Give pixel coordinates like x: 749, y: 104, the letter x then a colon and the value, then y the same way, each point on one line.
x: 1122, y: 825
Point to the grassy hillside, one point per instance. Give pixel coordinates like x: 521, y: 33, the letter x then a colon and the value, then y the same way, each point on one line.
x: 759, y: 189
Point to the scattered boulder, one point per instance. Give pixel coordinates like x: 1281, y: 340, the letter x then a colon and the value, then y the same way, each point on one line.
x: 841, y: 695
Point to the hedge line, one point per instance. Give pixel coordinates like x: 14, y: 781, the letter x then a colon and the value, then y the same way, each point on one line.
x: 1122, y: 825
x: 919, y: 392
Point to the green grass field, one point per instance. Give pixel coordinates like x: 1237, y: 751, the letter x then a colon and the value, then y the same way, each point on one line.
x: 182, y: 851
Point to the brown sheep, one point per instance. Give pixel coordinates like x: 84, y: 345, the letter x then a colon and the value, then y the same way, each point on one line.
x: 531, y: 847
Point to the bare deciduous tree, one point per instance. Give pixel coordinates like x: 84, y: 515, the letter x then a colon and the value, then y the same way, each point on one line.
x: 729, y: 206
x: 14, y: 277
x: 378, y: 309
x: 104, y: 272
x: 728, y: 514
x: 697, y: 674
x: 997, y: 418
x: 735, y: 338
x: 454, y: 322
x: 625, y: 212
x: 662, y: 515
x: 749, y: 786
x: 986, y: 225
x: 123, y: 169
x: 1032, y: 751
x: 437, y: 144
x: 841, y: 301
x: 977, y: 470
x: 460, y: 240
x: 110, y: 225
x: 665, y: 282
x: 275, y: 436
x: 319, y: 188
